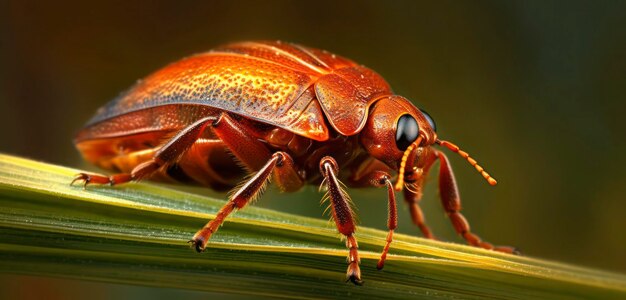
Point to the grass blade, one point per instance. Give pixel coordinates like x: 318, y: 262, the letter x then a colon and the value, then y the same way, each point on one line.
x: 137, y: 234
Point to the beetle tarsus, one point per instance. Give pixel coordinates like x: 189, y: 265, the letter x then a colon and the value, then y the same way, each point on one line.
x: 508, y: 249
x: 101, y: 179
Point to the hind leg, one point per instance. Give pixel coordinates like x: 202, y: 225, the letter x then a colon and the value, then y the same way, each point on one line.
x: 168, y: 153
x: 235, y: 136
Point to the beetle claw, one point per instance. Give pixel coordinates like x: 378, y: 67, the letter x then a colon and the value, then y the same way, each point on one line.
x: 355, y: 279
x: 509, y: 250
x: 196, y: 244
x: 81, y: 176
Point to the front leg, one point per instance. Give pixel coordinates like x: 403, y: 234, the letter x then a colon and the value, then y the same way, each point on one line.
x: 451, y: 202
x: 414, y: 185
x: 343, y: 215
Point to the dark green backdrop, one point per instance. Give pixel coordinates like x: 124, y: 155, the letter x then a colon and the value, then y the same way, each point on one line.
x: 535, y: 90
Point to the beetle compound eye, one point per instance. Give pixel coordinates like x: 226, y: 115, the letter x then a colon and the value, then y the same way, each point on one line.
x: 406, y: 131
x: 430, y: 120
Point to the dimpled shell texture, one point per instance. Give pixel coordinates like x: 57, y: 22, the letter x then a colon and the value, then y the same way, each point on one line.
x: 285, y: 85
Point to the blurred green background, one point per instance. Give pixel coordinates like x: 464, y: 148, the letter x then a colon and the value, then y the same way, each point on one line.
x: 535, y: 90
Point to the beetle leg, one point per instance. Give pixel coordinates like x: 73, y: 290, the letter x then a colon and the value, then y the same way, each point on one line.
x: 452, y: 204
x: 252, y: 153
x: 168, y: 153
x: 287, y: 177
x: 343, y: 215
x: 362, y: 175
x: 250, y: 190
x: 413, y: 198
x: 413, y: 193
x: 380, y: 179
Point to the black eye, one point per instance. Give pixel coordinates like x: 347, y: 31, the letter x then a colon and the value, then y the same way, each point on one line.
x: 430, y: 120
x: 406, y: 131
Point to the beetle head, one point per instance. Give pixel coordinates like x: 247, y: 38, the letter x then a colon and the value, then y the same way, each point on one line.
x: 394, y: 131
x: 394, y: 126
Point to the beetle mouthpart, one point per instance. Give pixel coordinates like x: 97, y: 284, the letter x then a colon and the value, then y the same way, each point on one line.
x: 473, y: 162
x: 405, y: 157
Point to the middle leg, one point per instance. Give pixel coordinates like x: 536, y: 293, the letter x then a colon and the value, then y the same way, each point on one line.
x: 342, y: 215
x: 244, y: 195
x: 254, y: 156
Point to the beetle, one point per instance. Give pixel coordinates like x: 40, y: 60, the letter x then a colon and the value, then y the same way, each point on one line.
x: 282, y: 110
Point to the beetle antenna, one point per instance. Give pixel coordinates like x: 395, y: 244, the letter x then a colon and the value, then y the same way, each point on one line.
x: 405, y: 157
x: 472, y: 161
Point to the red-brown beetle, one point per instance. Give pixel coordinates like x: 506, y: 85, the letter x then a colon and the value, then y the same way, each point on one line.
x: 300, y: 114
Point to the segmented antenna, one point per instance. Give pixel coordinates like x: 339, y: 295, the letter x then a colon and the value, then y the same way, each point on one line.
x: 472, y: 161
x: 405, y: 157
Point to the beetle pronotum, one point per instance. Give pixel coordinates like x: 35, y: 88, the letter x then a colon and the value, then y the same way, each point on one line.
x: 301, y: 115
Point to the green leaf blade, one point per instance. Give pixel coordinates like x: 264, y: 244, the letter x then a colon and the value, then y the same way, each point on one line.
x: 137, y: 234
